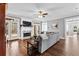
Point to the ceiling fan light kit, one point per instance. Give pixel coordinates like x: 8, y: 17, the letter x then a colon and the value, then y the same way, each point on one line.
x: 42, y: 13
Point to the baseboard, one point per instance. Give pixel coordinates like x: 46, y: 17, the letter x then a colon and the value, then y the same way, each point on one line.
x: 62, y: 38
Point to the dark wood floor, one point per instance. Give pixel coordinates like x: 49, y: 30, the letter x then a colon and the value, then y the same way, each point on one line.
x: 56, y: 50
x: 67, y: 47
x: 16, y: 48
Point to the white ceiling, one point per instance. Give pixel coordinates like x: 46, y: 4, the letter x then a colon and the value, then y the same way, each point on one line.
x: 55, y: 10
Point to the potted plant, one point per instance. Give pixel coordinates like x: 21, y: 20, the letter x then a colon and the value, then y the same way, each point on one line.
x: 75, y: 29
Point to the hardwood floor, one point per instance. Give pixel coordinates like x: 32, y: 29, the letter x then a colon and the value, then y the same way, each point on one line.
x: 67, y: 47
x: 56, y: 50
x: 16, y: 48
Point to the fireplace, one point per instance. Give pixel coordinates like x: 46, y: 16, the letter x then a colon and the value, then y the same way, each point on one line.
x: 26, y: 34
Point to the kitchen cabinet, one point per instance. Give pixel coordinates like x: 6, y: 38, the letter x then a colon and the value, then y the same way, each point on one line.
x: 50, y: 26
x: 47, y: 43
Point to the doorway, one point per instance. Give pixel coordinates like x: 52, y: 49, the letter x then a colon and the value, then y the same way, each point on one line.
x: 12, y: 29
x: 72, y: 27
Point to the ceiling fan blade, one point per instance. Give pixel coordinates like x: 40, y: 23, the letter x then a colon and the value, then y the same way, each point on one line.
x: 45, y: 14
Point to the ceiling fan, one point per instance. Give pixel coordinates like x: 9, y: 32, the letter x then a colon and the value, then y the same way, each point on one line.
x: 42, y: 13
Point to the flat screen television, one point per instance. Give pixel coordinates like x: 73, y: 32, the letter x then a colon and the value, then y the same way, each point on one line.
x: 26, y: 23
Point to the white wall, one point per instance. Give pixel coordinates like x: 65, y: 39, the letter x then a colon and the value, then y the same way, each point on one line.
x: 61, y: 28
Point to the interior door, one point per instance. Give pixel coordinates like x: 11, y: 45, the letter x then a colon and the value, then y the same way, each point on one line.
x: 2, y: 30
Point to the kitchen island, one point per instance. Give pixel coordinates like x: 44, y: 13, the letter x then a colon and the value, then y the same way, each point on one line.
x: 46, y: 43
